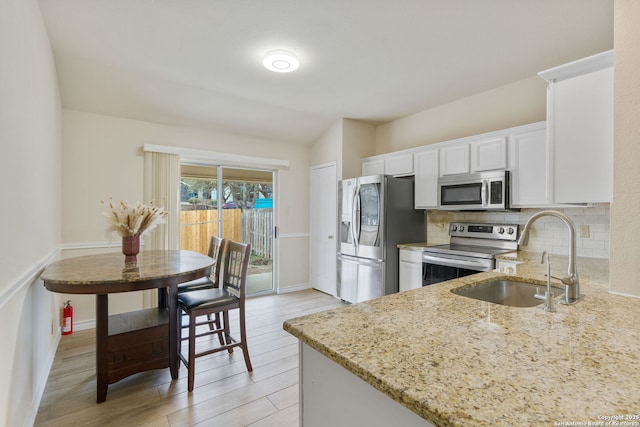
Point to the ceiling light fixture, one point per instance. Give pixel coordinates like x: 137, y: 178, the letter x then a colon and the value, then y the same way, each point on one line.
x: 281, y: 61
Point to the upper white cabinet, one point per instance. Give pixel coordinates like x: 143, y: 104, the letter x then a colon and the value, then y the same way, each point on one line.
x: 373, y: 167
x: 527, y: 147
x: 488, y: 154
x: 390, y: 164
x: 454, y: 159
x: 399, y: 165
x: 580, y: 129
x: 474, y: 156
x: 426, y: 179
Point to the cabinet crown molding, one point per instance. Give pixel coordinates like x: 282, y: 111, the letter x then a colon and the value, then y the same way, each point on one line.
x: 581, y: 66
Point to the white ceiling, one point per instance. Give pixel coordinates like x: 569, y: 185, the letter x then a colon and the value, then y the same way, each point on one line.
x: 198, y: 62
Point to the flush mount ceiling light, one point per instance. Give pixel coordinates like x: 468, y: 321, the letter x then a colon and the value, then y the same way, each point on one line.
x: 281, y: 61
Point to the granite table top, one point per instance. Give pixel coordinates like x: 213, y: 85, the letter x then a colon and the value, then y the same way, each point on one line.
x: 108, y: 273
x: 457, y: 361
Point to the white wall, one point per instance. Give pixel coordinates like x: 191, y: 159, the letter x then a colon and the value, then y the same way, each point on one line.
x: 511, y: 105
x: 346, y: 142
x: 102, y: 158
x: 358, y: 141
x: 328, y: 148
x: 625, y: 209
x: 30, y: 226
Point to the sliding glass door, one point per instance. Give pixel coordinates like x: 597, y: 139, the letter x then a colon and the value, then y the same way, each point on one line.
x: 233, y: 203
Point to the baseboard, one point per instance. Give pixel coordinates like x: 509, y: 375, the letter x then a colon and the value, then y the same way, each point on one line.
x: 84, y: 325
x: 295, y: 288
x: 42, y: 382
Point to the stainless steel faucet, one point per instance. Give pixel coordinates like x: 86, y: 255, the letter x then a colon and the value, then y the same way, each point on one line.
x: 572, y: 283
x: 548, y: 295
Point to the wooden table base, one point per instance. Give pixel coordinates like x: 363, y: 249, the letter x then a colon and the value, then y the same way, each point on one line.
x: 134, y: 342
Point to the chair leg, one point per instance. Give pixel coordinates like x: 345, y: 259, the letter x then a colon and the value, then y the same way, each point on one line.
x: 221, y: 336
x: 243, y: 339
x: 179, y: 335
x: 227, y: 334
x: 192, y: 352
x: 217, y: 324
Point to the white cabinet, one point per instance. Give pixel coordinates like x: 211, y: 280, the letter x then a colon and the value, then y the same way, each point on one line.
x: 454, y: 159
x: 528, y: 165
x: 580, y: 120
x: 410, y: 269
x: 426, y: 179
x: 392, y: 164
x: 373, y: 167
x: 488, y: 154
x: 331, y: 395
x: 474, y: 156
x: 399, y: 165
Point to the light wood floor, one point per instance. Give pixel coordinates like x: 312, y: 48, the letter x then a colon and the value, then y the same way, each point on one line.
x: 225, y: 393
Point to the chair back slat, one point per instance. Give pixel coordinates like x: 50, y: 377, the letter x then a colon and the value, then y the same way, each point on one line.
x: 236, y: 264
x: 216, y: 251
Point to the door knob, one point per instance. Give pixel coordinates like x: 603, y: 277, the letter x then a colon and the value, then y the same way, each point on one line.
x: 330, y: 237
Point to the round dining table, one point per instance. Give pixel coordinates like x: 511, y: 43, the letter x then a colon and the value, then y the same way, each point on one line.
x: 128, y: 343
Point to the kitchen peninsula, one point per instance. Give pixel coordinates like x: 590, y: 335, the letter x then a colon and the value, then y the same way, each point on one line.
x: 457, y: 361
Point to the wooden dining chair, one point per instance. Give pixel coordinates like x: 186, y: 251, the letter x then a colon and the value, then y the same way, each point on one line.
x: 229, y: 296
x: 212, y: 280
x: 216, y: 250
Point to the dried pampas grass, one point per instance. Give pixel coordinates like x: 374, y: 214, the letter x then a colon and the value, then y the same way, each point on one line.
x: 124, y: 219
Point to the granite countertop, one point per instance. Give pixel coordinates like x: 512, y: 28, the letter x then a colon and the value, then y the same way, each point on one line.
x: 414, y: 246
x: 457, y: 361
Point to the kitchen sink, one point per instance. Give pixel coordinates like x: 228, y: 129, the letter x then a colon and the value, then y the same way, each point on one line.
x: 507, y: 292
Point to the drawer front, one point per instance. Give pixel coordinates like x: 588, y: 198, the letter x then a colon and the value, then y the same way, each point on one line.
x: 409, y: 255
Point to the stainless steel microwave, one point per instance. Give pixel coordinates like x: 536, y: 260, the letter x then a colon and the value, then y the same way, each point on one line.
x: 475, y: 192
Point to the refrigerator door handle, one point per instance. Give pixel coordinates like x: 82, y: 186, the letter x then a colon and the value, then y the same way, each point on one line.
x: 355, y: 223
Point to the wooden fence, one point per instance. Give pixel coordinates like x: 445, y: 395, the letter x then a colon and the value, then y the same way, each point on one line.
x: 198, y: 227
x: 257, y: 229
x: 254, y: 226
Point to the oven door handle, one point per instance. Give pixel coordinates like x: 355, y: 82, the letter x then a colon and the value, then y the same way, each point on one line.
x: 448, y: 262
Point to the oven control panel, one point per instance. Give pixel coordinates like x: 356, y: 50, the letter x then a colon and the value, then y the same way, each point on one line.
x: 484, y: 231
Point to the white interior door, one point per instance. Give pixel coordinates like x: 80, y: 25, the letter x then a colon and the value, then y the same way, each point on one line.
x: 323, y: 224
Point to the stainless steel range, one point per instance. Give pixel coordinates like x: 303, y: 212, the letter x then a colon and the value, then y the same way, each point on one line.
x: 472, y: 248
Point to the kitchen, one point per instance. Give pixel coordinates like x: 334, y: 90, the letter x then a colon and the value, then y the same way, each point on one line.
x: 622, y: 246
x: 540, y: 366
x: 406, y: 364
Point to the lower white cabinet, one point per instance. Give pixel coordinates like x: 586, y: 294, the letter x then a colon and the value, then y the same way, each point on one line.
x: 330, y: 395
x: 410, y: 269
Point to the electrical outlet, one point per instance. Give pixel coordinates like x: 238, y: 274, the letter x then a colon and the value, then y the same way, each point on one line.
x: 585, y: 232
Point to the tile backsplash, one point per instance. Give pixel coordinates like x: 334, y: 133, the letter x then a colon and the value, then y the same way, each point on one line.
x: 547, y: 233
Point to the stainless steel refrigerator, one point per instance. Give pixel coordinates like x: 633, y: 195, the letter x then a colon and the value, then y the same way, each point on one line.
x: 375, y: 214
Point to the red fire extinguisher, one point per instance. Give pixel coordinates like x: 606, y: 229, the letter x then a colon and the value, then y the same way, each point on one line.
x: 67, y: 318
